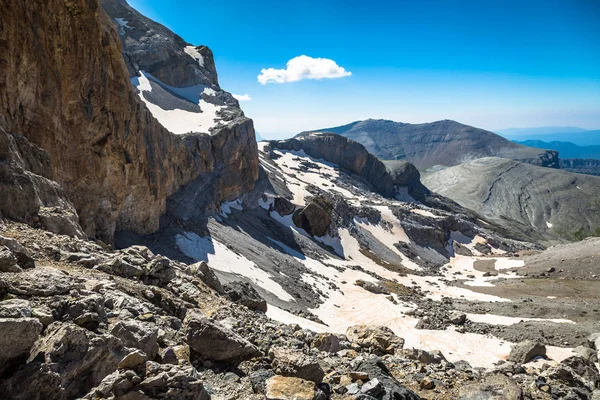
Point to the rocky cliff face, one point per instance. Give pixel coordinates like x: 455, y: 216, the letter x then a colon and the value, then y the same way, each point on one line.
x: 581, y: 166
x: 65, y: 87
x: 354, y: 157
x: 444, y: 143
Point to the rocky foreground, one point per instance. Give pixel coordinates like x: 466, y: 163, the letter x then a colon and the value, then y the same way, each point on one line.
x: 80, y: 320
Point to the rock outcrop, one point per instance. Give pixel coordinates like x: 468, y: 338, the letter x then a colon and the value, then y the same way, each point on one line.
x: 581, y: 166
x: 444, y: 143
x: 355, y: 158
x: 65, y: 87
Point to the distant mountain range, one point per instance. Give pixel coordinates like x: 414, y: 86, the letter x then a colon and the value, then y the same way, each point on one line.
x: 441, y: 143
x: 578, y: 136
x: 565, y: 149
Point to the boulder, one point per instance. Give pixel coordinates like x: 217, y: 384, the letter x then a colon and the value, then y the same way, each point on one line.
x: 492, y: 387
x: 24, y: 258
x: 15, y: 308
x: 525, y: 351
x: 379, y: 338
x: 372, y: 287
x: 290, y: 362
x: 283, y: 206
x: 594, y: 341
x: 133, y: 359
x: 423, y: 356
x: 65, y: 363
x: 17, y: 336
x: 213, y: 341
x: 289, y: 388
x: 373, y: 388
x: 87, y: 312
x: 8, y: 261
x: 393, y: 390
x: 157, y: 382
x: 458, y: 318
x: 244, y: 293
x: 326, y: 342
x: 206, y: 275
x: 138, y: 335
x: 313, y: 218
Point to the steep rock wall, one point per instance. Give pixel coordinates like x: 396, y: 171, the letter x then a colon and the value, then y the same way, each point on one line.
x: 65, y: 87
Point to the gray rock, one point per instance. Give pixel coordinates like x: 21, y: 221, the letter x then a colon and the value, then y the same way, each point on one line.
x: 378, y: 338
x: 8, y: 261
x: 206, y: 275
x: 215, y: 342
x: 24, y: 258
x: 17, y: 336
x: 458, y: 318
x: 133, y: 359
x: 327, y: 342
x: 393, y: 389
x: 586, y: 353
x: 243, y: 293
x: 594, y: 341
x: 258, y: 379
x: 493, y: 387
x: 138, y: 335
x: 525, y: 351
x: 372, y: 287
x: 372, y: 388
x: 87, y: 312
x: 66, y: 363
x: 289, y: 362
x: 15, y: 308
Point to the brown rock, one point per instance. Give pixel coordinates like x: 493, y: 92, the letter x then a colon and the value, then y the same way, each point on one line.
x: 313, y: 218
x: 379, y: 338
x: 326, y: 342
x: 288, y: 388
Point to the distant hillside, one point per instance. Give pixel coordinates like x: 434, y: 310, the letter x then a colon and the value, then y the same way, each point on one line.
x: 548, y: 202
x: 565, y: 149
x: 444, y: 143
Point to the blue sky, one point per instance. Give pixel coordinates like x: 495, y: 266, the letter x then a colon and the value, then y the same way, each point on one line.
x: 491, y: 64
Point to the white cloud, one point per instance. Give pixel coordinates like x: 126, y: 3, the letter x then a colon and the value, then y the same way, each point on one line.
x: 242, y: 97
x: 303, y: 67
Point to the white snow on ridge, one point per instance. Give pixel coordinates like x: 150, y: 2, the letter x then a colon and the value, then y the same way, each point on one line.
x: 505, y: 321
x: 180, y: 121
x: 195, y: 54
x: 221, y: 258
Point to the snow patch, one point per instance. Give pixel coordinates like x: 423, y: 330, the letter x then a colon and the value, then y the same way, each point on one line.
x: 221, y: 258
x: 195, y: 54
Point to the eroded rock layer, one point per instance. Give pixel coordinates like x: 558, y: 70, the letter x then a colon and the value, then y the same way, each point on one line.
x: 65, y: 87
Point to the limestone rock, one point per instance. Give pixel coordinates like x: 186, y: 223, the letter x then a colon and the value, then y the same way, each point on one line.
x: 493, y: 387
x: 380, y: 338
x: 215, y: 342
x: 289, y: 388
x: 15, y: 308
x: 243, y: 293
x: 313, y: 218
x: 283, y: 206
x: 372, y: 287
x: 525, y: 351
x: 206, y: 275
x: 288, y: 362
x: 326, y: 342
x: 139, y: 335
x: 8, y: 261
x: 17, y: 336
x: 393, y: 390
x: 133, y: 359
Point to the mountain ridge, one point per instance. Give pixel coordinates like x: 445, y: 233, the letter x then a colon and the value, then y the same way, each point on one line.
x: 442, y: 142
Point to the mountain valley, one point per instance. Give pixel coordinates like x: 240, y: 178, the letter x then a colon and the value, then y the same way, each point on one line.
x: 151, y: 248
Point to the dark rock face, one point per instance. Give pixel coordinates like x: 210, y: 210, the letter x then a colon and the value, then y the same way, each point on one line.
x: 243, y: 293
x: 581, y: 166
x: 64, y: 85
x: 354, y: 157
x: 392, y: 389
x: 17, y: 336
x: 215, y: 342
x: 313, y: 218
x: 438, y: 143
